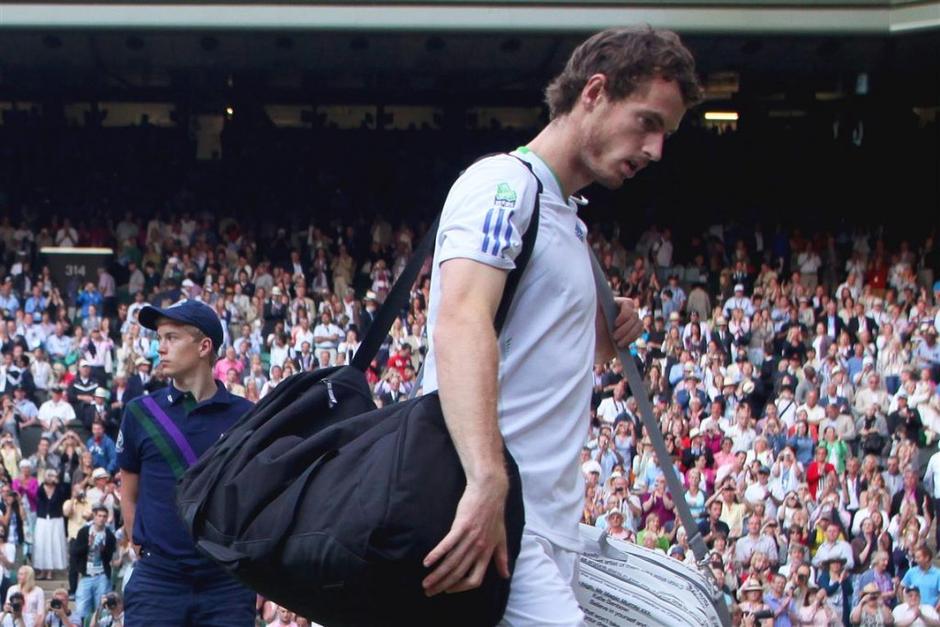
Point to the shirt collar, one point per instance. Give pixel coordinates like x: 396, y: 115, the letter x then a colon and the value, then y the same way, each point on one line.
x: 221, y: 396
x: 542, y: 170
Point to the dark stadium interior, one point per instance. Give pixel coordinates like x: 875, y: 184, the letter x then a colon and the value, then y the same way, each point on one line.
x: 829, y: 127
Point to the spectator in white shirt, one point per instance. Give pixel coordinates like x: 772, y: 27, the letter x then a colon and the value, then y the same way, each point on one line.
x: 327, y: 334
x: 913, y: 613
x: 834, y: 548
x: 55, y: 414
x: 613, y: 406
x: 58, y: 344
x: 872, y: 396
x: 739, y: 301
x: 815, y: 413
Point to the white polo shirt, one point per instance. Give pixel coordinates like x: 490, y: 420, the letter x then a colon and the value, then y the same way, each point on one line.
x: 547, y: 344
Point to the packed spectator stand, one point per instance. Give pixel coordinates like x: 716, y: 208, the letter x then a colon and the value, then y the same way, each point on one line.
x: 793, y: 372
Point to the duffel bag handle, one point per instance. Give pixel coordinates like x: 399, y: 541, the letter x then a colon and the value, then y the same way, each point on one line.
x: 232, y: 558
x: 227, y: 557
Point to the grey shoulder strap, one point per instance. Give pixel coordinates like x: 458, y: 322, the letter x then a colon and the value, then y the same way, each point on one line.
x: 605, y: 298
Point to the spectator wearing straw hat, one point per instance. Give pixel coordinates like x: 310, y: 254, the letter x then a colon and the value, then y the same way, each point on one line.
x: 751, y: 601
x: 139, y: 383
x: 99, y: 410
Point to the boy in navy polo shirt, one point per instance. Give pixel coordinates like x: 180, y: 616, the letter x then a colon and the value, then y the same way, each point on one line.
x: 161, y: 435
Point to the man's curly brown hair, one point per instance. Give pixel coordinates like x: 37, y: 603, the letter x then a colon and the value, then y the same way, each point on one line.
x: 627, y: 57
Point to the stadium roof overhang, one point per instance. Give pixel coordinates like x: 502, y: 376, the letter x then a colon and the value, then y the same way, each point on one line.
x: 834, y: 17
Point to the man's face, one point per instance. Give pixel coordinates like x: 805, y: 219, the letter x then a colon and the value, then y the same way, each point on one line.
x: 753, y: 525
x: 620, y: 137
x: 619, y: 389
x: 715, y: 509
x: 923, y: 559
x: 101, y: 517
x: 97, y: 430
x: 832, y: 532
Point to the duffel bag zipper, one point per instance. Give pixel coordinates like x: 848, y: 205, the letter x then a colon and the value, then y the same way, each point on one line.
x: 329, y: 392
x: 333, y: 401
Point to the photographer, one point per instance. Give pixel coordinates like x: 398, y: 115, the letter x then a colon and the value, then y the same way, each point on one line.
x: 110, y: 613
x: 24, y: 410
x: 756, y: 612
x: 31, y: 598
x: 77, y: 511
x: 13, y: 612
x: 13, y: 519
x: 58, y: 613
x: 871, y: 609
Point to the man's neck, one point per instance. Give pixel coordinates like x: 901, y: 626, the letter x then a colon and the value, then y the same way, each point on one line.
x: 554, y: 146
x: 198, y: 382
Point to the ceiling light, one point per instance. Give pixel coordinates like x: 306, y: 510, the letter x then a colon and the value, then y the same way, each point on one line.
x: 724, y: 116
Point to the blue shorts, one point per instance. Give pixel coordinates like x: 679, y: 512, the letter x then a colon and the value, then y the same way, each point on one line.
x: 163, y: 592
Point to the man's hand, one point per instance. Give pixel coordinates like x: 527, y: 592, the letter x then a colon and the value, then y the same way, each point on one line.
x: 477, y: 536
x: 627, y: 324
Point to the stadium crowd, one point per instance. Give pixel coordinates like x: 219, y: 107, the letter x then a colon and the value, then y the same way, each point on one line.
x: 794, y: 376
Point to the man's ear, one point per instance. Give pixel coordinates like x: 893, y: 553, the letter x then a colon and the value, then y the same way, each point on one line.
x: 594, y: 90
x: 205, y: 348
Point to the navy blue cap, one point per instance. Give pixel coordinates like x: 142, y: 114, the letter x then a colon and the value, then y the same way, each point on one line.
x: 191, y: 312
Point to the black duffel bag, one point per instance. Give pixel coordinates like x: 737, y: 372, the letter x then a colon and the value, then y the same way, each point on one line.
x: 326, y: 505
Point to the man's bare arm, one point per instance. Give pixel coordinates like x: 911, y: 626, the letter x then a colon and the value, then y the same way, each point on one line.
x: 465, y: 347
x: 129, y: 485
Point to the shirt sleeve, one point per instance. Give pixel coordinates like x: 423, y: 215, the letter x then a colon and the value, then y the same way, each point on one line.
x: 487, y: 212
x: 128, y: 446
